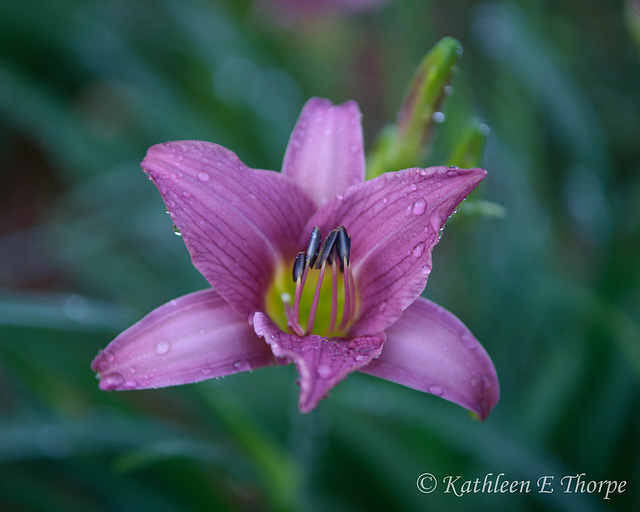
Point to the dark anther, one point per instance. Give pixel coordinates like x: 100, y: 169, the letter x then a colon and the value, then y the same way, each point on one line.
x: 343, y: 245
x: 298, y: 265
x: 326, y: 247
x: 314, y: 245
x: 333, y: 254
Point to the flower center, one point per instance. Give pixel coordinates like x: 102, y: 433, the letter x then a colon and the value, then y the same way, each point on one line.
x: 321, y: 299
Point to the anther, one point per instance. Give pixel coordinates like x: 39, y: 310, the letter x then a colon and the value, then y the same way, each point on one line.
x: 314, y: 245
x: 343, y: 245
x: 326, y: 247
x: 298, y: 266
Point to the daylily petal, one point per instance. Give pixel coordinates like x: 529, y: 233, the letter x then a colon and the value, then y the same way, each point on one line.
x: 325, y: 154
x: 237, y: 223
x: 189, y: 339
x: 395, y: 221
x: 321, y: 362
x: 429, y: 349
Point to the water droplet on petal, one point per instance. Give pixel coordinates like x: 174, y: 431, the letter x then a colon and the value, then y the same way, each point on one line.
x: 419, y: 206
x: 435, y: 390
x: 186, y: 194
x: 113, y: 380
x: 163, y: 347
x: 241, y: 365
x: 486, y: 382
x: 418, y: 250
x: 324, y: 371
x: 469, y: 342
x: 206, y: 371
x: 203, y: 176
x: 414, y: 187
x: 130, y: 384
x: 382, y: 307
x: 176, y: 231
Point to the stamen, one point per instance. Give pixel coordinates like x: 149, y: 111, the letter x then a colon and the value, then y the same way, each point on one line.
x: 298, y: 266
x: 342, y: 247
x: 334, y: 250
x: 314, y: 244
x: 326, y: 247
x: 300, y: 282
x: 346, y: 313
x: 292, y: 318
x: 334, y: 295
x: 314, y: 304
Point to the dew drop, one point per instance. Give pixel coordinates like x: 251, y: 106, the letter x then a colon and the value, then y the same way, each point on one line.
x: 113, y: 381
x: 324, y: 371
x: 435, y: 390
x: 385, y: 200
x: 206, y: 371
x: 438, y: 117
x: 176, y: 231
x: 382, y: 307
x: 130, y: 384
x: 414, y: 187
x: 241, y: 365
x: 186, y: 194
x: 162, y: 347
x: 469, y: 342
x: 418, y: 250
x: 203, y: 176
x: 484, y: 130
x: 486, y: 382
x: 419, y: 206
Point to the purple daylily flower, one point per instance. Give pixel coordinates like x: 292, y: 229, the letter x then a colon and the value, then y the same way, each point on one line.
x: 324, y: 267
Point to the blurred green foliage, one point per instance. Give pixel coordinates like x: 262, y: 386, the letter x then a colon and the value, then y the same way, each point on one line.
x: 550, y: 284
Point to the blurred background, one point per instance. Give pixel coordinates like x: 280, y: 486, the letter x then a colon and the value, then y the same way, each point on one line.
x: 551, y: 287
